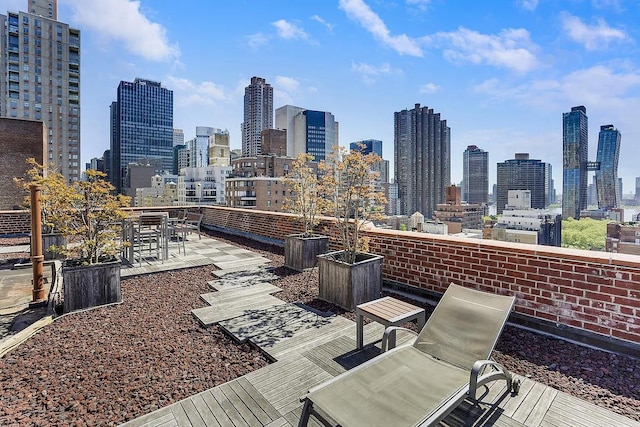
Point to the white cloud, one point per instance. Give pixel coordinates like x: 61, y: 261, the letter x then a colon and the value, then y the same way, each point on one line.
x: 511, y: 48
x: 419, y: 4
x: 370, y: 72
x: 429, y: 88
x: 529, y: 4
x: 288, y: 84
x: 258, y: 39
x: 615, y: 5
x: 369, y: 20
x: 597, y: 86
x: 122, y: 21
x: 189, y: 93
x: 288, y: 30
x: 594, y: 36
x: 323, y: 22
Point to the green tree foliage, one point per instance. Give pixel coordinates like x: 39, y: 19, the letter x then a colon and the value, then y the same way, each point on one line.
x: 585, y: 233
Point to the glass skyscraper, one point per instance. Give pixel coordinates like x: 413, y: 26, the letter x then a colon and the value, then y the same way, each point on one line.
x: 575, y: 154
x: 607, y: 174
x: 142, y: 127
x: 370, y: 146
x: 475, y: 175
x: 422, y: 159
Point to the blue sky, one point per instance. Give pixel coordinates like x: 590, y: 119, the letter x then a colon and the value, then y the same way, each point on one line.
x: 501, y: 72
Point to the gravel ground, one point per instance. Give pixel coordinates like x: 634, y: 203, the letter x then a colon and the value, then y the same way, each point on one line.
x: 112, y: 364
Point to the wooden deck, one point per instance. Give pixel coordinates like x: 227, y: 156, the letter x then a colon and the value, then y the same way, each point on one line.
x: 311, y: 347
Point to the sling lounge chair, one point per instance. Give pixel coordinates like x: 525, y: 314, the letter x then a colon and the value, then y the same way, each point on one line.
x: 420, y: 383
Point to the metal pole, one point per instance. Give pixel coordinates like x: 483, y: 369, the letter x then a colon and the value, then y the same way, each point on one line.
x: 37, y: 259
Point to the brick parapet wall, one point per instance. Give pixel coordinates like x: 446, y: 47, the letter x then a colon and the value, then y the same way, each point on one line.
x: 593, y: 291
x: 15, y: 222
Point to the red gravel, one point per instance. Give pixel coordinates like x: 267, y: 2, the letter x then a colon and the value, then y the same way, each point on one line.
x: 112, y: 364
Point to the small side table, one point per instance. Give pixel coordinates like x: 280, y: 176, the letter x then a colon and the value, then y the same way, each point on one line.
x: 389, y: 312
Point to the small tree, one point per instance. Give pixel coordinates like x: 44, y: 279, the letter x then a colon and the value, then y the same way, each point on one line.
x: 348, y: 187
x: 305, y: 202
x: 86, y: 212
x: 56, y: 195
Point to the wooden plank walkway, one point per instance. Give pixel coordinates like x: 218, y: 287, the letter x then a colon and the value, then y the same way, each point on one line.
x: 310, y: 348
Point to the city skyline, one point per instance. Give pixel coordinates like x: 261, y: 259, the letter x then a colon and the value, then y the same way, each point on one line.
x: 501, y: 72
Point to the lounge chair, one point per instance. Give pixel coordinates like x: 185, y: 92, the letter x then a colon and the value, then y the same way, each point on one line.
x: 420, y: 383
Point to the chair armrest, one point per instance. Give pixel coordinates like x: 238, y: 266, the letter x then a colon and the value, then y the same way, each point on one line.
x: 477, y: 381
x: 391, y: 332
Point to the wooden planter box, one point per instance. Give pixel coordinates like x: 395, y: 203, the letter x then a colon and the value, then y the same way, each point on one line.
x: 300, y: 253
x: 52, y: 239
x: 348, y: 285
x: 91, y: 285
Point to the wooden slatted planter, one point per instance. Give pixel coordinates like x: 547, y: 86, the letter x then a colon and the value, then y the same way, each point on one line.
x: 300, y: 253
x: 348, y: 285
x: 91, y: 285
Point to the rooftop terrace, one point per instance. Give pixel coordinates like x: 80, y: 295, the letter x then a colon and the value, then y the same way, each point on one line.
x: 117, y: 363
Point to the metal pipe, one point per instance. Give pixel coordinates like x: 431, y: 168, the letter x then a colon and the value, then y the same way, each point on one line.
x: 37, y: 258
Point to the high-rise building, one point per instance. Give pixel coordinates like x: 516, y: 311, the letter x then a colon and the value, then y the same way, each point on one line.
x: 142, y: 127
x: 374, y: 146
x: 219, y: 150
x: 199, y: 146
x: 285, y: 120
x: 40, y: 79
x: 619, y: 189
x: 258, y: 114
x: 575, y: 155
x: 522, y: 173
x: 607, y: 156
x: 475, y: 175
x: 368, y: 146
x: 46, y: 8
x: 178, y: 137
x: 637, y: 188
x: 274, y: 142
x: 308, y: 131
x: 422, y: 159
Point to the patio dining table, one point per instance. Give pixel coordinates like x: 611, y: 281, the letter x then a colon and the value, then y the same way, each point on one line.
x: 138, y: 229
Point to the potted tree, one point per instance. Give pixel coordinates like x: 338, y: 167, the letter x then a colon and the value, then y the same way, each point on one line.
x: 301, y: 250
x: 50, y: 184
x: 90, y: 218
x: 351, y: 276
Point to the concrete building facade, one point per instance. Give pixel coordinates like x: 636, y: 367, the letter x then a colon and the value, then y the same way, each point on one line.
x: 475, y: 175
x: 422, y: 159
x: 258, y: 115
x: 308, y: 131
x: 40, y: 79
x: 522, y: 173
x: 219, y: 150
